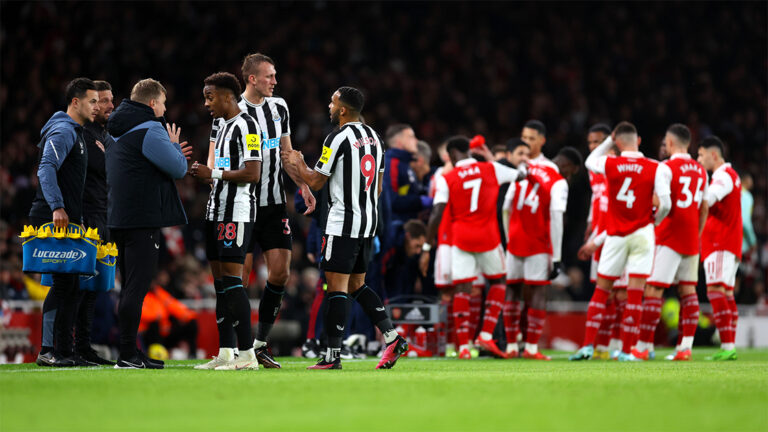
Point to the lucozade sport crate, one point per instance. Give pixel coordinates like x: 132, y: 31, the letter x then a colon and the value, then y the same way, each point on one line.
x: 50, y: 250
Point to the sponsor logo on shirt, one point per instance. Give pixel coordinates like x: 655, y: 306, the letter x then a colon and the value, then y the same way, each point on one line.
x: 222, y: 162
x: 326, y: 156
x: 271, y: 143
x: 253, y: 142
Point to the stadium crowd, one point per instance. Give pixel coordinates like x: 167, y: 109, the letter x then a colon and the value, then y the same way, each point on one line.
x: 486, y: 74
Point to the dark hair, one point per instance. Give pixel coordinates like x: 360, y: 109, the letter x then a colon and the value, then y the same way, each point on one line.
x: 713, y: 142
x: 537, y: 126
x: 102, y: 86
x: 459, y: 143
x: 571, y: 154
x: 681, y: 131
x: 394, y: 130
x: 352, y: 97
x: 415, y: 228
x: 498, y: 148
x: 514, y: 143
x: 625, y: 127
x: 224, y: 80
x: 251, y: 62
x: 77, y: 88
x: 600, y: 127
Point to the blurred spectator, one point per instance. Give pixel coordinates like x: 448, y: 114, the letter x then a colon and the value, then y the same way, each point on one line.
x: 408, y: 196
x: 166, y: 321
x: 401, y: 262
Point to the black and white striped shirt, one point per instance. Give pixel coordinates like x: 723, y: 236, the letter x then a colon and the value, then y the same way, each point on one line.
x: 238, y: 140
x: 353, y: 157
x: 273, y: 118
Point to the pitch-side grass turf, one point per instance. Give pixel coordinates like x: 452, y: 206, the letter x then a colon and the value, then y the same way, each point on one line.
x: 418, y: 394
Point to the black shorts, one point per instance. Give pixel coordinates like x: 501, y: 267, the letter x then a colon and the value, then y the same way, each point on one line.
x: 345, y: 254
x: 227, y: 241
x: 272, y: 229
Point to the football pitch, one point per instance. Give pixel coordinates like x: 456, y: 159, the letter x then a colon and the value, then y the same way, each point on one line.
x: 418, y: 394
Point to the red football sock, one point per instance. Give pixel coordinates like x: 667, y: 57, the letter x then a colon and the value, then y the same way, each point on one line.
x: 536, y: 319
x: 630, y: 322
x: 734, y: 317
x: 722, y: 314
x: 604, y: 332
x: 650, y: 318
x: 512, y: 311
x: 475, y: 311
x: 461, y: 317
x: 595, y: 313
x: 689, y: 316
x: 617, y: 317
x: 493, y: 304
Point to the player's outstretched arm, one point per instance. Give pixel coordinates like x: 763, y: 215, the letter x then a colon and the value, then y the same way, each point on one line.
x: 661, y: 187
x: 596, y: 160
x: 251, y: 173
x: 293, y: 173
x: 314, y: 179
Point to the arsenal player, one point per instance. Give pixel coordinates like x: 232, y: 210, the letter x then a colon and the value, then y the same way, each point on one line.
x: 632, y: 181
x: 470, y: 193
x: 535, y: 207
x: 677, y: 246
x: 721, y: 242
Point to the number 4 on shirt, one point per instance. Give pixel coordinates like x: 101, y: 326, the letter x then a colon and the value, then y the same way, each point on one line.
x: 626, y: 194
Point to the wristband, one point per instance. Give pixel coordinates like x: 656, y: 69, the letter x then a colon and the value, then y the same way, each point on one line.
x: 426, y: 247
x: 217, y: 174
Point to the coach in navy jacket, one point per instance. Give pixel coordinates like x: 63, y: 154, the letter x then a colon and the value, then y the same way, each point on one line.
x: 141, y: 169
x: 142, y: 165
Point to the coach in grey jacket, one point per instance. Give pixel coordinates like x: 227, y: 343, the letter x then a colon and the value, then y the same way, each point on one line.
x: 141, y: 168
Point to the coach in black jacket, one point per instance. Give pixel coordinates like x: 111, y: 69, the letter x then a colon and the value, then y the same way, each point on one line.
x: 141, y: 168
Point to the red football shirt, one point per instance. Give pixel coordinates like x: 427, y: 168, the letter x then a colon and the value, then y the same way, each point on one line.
x: 470, y: 192
x: 723, y: 229
x: 529, y: 202
x: 680, y: 229
x: 630, y: 192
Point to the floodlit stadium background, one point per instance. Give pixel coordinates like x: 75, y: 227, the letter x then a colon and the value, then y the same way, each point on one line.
x: 455, y: 68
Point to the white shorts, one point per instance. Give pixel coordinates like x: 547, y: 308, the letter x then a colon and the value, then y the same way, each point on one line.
x: 465, y: 266
x: 633, y: 252
x: 720, y: 268
x: 671, y: 268
x: 443, y: 266
x: 531, y: 270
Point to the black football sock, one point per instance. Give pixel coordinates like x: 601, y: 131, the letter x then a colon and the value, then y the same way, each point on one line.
x: 374, y: 308
x: 239, y: 308
x: 335, y: 319
x: 223, y: 323
x: 269, y: 307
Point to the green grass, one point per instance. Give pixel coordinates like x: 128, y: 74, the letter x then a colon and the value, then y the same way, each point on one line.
x: 419, y: 394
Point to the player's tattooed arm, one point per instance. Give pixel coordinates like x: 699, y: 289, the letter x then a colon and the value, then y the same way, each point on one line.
x: 312, y: 178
